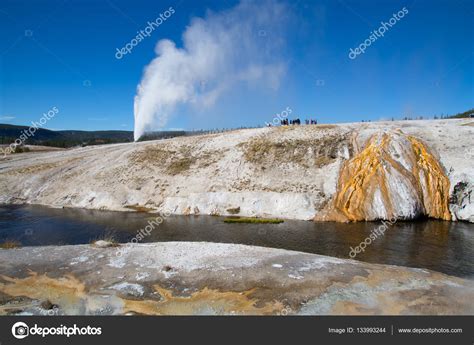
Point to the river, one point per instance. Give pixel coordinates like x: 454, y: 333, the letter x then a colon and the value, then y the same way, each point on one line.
x: 441, y: 246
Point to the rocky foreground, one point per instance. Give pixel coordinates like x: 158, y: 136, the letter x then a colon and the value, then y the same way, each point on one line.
x: 347, y: 172
x: 189, y: 278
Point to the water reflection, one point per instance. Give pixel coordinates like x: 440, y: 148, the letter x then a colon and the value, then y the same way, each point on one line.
x: 441, y: 246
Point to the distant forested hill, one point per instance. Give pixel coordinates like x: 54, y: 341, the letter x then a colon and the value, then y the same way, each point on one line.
x: 70, y: 138
x: 46, y: 137
x: 469, y: 113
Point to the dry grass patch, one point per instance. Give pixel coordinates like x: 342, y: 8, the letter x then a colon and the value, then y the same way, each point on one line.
x: 325, y: 126
x: 138, y: 208
x: 33, y: 169
x: 36, y: 168
x: 307, y: 153
x: 234, y: 210
x: 175, y: 161
x: 251, y: 220
x: 180, y: 165
x: 151, y: 155
x: 9, y: 244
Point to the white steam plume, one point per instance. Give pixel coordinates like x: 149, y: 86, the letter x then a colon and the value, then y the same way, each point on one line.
x: 221, y: 51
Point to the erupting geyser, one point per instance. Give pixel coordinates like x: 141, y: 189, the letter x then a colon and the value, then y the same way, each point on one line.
x: 223, y: 51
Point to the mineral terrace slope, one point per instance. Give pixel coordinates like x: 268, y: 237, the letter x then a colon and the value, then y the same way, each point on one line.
x: 189, y: 278
x: 394, y: 176
x: 289, y: 172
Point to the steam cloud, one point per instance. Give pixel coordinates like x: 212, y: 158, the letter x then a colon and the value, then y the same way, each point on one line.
x: 221, y: 51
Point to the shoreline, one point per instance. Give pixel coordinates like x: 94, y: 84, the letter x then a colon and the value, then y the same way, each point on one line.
x: 156, y: 212
x: 375, y: 242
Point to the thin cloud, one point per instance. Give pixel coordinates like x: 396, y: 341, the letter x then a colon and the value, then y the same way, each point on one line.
x: 7, y: 118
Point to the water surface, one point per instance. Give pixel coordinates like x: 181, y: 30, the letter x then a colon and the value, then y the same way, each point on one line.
x: 446, y: 247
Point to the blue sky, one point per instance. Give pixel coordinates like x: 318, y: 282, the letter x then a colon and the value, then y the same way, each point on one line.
x: 61, y: 53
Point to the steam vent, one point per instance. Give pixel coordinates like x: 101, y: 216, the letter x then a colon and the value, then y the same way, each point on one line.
x: 394, y: 176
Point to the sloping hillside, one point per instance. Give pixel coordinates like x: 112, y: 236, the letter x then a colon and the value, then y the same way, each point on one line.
x: 289, y: 172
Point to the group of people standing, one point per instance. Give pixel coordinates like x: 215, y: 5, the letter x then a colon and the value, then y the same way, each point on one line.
x: 286, y: 122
